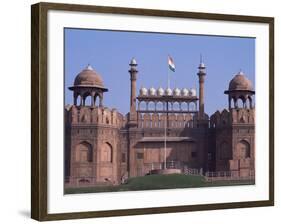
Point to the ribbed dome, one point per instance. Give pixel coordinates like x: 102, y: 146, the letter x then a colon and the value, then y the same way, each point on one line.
x: 192, y: 92
x: 184, y: 92
x: 177, y: 92
x: 143, y: 91
x: 160, y: 91
x: 88, y: 77
x: 152, y: 91
x: 240, y: 82
x: 168, y: 92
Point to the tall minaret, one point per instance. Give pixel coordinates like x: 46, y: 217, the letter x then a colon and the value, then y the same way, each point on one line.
x: 201, y: 74
x: 133, y: 76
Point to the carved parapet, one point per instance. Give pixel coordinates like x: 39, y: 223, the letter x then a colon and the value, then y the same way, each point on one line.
x: 243, y: 116
x: 220, y: 119
x: 94, y: 115
x: 234, y: 116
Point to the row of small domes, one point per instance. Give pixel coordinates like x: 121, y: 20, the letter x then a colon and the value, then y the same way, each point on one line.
x: 168, y: 92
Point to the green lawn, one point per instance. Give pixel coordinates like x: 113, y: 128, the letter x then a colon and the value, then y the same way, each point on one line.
x: 154, y: 182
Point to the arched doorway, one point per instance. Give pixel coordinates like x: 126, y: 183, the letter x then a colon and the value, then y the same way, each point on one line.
x: 83, y: 152
x: 106, y: 153
x: 243, y: 149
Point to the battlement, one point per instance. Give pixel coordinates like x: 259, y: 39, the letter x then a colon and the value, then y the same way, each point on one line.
x: 232, y: 117
x: 94, y: 115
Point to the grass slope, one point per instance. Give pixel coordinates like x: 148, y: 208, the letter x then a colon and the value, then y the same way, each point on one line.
x: 154, y: 182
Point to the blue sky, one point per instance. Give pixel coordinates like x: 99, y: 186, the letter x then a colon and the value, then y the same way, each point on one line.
x: 109, y: 53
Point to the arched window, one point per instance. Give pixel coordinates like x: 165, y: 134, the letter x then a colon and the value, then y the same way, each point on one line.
x: 151, y: 105
x: 243, y: 149
x: 79, y: 100
x: 142, y: 105
x: 106, y: 153
x: 176, y: 106
x: 159, y: 106
x: 170, y: 106
x: 232, y: 103
x: 87, y: 100
x: 97, y: 99
x: 192, y: 106
x: 83, y: 152
x: 184, y: 106
x: 240, y: 102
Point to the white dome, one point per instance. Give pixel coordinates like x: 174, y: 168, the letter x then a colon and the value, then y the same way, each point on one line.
x: 143, y: 91
x: 160, y: 91
x: 184, y: 92
x: 192, y: 92
x: 152, y: 91
x: 168, y: 92
x: 177, y: 92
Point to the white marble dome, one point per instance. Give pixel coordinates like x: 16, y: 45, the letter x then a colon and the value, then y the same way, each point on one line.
x: 160, y: 91
x: 143, y: 91
x: 177, y: 92
x: 168, y: 92
x: 152, y: 91
x: 184, y: 92
x: 192, y: 92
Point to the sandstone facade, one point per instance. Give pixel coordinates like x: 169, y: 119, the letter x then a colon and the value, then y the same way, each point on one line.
x: 162, y: 129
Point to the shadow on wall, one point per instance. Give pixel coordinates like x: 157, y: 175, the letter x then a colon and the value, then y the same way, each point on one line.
x: 25, y: 213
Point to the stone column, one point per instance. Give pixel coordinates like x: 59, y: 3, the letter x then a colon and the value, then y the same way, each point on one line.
x: 201, y: 74
x: 251, y: 103
x: 133, y: 77
x: 101, y: 101
x: 235, y: 103
x: 92, y: 99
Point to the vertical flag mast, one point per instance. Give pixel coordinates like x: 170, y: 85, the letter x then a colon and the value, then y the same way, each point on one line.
x: 168, y: 77
x: 172, y: 67
x: 165, y: 140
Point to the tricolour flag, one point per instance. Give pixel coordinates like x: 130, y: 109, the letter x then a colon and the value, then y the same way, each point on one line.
x: 171, y: 64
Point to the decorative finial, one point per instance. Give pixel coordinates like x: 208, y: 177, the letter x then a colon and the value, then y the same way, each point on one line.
x: 201, y: 65
x: 240, y: 72
x: 133, y: 62
x: 89, y: 67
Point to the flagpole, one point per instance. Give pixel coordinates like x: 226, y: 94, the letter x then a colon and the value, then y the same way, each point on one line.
x: 168, y: 77
x: 165, y: 142
x: 165, y: 125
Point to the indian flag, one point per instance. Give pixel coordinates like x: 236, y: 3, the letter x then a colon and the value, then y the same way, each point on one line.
x: 171, y: 64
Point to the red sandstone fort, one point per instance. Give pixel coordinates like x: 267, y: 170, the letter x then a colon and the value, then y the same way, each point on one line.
x: 164, y: 129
